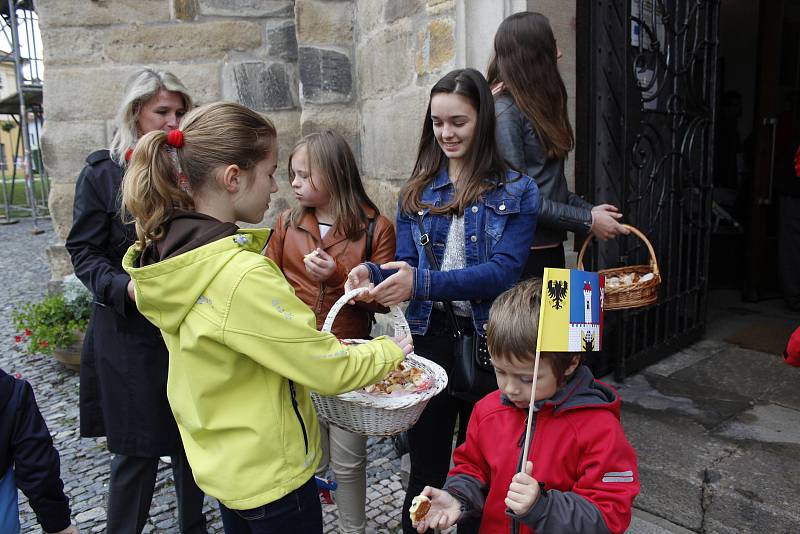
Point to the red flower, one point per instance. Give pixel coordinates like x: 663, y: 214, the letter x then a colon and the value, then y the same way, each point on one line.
x: 17, y: 339
x: 17, y: 375
x: 28, y: 332
x: 43, y: 344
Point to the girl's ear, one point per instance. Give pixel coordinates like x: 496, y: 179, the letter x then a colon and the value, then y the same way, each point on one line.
x: 231, y: 178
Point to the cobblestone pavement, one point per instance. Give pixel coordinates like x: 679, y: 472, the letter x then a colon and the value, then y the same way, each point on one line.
x: 24, y: 275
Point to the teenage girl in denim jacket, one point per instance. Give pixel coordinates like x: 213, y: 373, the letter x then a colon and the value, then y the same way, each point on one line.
x: 481, y: 219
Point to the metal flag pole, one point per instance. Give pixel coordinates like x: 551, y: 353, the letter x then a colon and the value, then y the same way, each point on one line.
x: 531, y: 409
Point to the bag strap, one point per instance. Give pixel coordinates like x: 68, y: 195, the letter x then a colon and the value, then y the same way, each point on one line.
x: 370, y: 233
x: 425, y: 241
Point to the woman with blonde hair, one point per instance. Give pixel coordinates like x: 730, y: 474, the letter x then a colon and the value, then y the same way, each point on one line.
x: 124, y: 360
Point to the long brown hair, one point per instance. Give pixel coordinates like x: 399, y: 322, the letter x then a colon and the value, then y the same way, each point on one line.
x: 525, y: 62
x: 214, y: 135
x: 484, y: 168
x: 331, y: 160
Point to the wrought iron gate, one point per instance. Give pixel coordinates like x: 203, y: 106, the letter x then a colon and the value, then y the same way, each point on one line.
x: 646, y: 128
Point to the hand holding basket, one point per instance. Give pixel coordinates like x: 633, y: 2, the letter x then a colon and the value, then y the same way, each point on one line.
x: 635, y: 295
x: 379, y: 414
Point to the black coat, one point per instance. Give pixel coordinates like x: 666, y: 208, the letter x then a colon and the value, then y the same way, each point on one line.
x: 25, y: 443
x: 124, y: 360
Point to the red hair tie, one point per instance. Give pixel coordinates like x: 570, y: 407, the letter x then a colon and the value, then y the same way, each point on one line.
x: 175, y: 138
x: 128, y: 154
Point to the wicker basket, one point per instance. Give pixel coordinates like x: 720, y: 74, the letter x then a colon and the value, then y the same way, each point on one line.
x: 633, y: 296
x: 379, y: 415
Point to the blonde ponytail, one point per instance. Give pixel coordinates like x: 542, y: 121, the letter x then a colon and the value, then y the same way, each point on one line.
x: 161, y: 178
x: 150, y: 189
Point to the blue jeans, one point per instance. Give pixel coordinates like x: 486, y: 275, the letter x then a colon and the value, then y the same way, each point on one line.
x: 299, y: 512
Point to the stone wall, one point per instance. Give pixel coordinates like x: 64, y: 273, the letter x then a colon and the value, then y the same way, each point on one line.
x: 240, y: 50
x: 402, y: 48
x: 363, y: 67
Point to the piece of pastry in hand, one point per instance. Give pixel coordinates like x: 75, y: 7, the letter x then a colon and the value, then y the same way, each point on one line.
x: 311, y: 254
x: 419, y: 508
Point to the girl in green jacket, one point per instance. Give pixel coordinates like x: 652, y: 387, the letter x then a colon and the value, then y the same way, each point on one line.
x: 244, y: 351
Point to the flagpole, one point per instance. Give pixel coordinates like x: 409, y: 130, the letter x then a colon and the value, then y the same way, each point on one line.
x: 530, y: 410
x: 535, y: 374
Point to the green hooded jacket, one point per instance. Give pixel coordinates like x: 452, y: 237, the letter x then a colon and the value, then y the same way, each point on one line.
x: 244, y: 354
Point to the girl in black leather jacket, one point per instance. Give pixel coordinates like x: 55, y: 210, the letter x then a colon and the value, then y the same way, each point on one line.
x: 534, y: 136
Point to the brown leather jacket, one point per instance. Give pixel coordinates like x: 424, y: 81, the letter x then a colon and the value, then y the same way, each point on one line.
x: 287, y: 247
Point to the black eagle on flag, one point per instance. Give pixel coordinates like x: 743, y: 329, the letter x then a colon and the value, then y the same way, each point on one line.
x: 557, y: 292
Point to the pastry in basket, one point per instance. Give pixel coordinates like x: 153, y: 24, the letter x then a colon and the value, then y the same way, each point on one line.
x: 419, y: 508
x: 404, y: 379
x: 625, y: 280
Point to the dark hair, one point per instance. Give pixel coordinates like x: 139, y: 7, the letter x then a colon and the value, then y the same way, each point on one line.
x: 332, y: 161
x: 513, y: 327
x: 484, y: 169
x: 525, y: 62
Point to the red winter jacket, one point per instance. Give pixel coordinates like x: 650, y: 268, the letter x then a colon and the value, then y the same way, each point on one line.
x: 579, y: 452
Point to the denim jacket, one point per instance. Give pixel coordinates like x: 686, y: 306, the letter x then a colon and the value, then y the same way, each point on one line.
x: 498, y: 232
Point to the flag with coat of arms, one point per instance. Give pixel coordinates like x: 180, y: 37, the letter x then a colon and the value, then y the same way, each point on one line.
x: 571, y: 315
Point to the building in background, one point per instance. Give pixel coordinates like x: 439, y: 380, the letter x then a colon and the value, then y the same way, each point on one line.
x: 641, y: 78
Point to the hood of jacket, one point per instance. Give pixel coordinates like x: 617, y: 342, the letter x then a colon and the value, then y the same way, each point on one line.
x: 166, y: 304
x: 580, y: 391
x: 185, y: 231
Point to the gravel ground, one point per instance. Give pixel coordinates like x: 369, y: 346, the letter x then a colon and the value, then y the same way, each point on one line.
x: 24, y: 275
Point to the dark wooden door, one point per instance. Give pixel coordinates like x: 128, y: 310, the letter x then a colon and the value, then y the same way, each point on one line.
x: 647, y: 78
x: 775, y: 135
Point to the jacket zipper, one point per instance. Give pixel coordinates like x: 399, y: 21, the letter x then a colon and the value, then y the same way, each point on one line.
x: 293, y: 392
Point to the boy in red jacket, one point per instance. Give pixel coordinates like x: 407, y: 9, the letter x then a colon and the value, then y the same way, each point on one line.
x: 581, y: 474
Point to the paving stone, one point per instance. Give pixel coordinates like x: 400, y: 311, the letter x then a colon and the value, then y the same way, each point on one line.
x: 91, y: 515
x: 85, y: 461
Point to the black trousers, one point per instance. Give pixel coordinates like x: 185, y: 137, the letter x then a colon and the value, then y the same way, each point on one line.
x: 543, y: 257
x: 430, y: 440
x: 130, y: 492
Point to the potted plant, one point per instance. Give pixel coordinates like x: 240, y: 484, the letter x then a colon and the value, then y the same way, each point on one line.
x: 56, y: 324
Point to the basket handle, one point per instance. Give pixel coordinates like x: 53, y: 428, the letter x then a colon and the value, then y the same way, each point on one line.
x: 401, y: 327
x: 637, y: 233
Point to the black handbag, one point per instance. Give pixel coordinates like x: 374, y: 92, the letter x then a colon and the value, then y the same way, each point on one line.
x: 471, y: 376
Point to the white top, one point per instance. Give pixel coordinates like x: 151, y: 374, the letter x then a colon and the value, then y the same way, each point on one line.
x: 455, y: 258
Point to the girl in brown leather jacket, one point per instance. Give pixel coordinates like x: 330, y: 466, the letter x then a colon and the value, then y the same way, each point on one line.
x: 333, y: 227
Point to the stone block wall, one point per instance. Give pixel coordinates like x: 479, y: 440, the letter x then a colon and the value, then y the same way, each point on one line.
x: 362, y: 67
x: 239, y: 50
x: 402, y: 48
